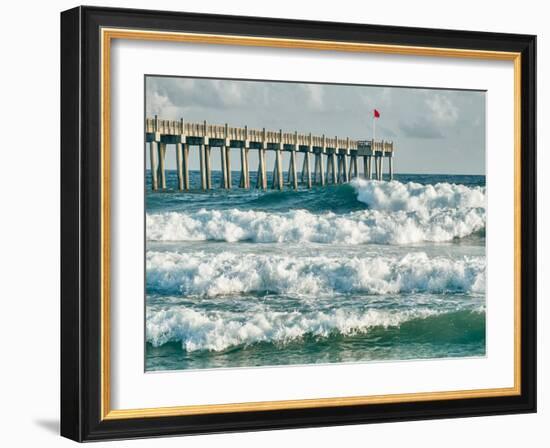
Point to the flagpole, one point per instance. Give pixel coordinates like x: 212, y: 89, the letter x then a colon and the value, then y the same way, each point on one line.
x: 373, y: 128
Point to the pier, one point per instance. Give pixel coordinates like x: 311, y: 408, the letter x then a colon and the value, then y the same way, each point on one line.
x: 335, y: 159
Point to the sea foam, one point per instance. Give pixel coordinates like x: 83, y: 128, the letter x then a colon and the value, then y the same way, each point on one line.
x: 226, y: 273
x: 216, y: 331
x: 220, y: 330
x: 395, y: 213
x: 411, y: 196
x: 361, y: 227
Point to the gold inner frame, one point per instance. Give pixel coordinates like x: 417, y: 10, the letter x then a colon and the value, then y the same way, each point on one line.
x: 107, y: 35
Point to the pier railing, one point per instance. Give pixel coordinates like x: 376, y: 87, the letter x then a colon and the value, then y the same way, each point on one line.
x: 341, y: 154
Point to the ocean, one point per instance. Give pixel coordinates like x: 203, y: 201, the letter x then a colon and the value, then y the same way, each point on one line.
x: 359, y: 272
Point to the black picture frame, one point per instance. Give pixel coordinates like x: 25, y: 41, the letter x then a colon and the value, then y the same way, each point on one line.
x: 81, y: 224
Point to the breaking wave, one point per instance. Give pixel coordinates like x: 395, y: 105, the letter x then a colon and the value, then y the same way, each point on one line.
x: 368, y: 226
x: 207, y: 274
x: 397, y: 196
x: 220, y: 330
x: 394, y: 213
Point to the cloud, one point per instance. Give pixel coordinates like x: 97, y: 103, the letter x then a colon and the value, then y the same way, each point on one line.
x: 157, y: 104
x: 435, y: 116
x: 442, y: 109
x: 186, y: 92
x: 314, y: 95
x: 386, y: 132
x: 420, y: 129
x: 230, y: 94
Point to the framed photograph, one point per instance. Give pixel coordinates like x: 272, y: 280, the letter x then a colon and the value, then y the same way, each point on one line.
x: 273, y: 223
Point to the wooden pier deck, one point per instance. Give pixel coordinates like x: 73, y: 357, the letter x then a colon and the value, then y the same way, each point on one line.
x: 335, y: 158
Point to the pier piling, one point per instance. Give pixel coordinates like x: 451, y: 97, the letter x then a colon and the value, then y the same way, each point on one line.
x: 319, y: 170
x: 292, y: 170
x: 228, y: 166
x: 223, y: 168
x: 153, y: 153
x: 208, y: 167
x: 202, y: 161
x: 345, y: 158
x: 245, y: 173
x: 247, y: 170
x: 262, y: 171
x: 306, y: 171
x: 161, y: 168
x: 327, y: 172
x: 179, y: 166
x: 345, y: 168
x: 367, y: 161
x: 278, y: 167
x: 322, y: 168
x: 185, y: 166
x: 332, y: 160
x: 382, y: 162
x: 339, y: 162
x: 353, y: 166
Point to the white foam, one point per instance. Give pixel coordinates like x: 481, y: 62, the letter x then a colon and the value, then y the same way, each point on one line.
x: 367, y: 226
x: 207, y: 274
x: 219, y: 330
x: 396, y: 213
x: 397, y: 196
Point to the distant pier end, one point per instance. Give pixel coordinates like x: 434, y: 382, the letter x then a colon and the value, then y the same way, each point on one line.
x: 335, y: 159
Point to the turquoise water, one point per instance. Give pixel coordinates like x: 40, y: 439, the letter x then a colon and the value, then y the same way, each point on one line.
x: 348, y: 273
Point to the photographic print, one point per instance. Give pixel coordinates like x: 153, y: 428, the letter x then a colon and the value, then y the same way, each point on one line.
x: 357, y: 233
x: 295, y: 223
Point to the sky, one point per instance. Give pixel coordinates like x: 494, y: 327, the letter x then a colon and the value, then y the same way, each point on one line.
x: 434, y: 131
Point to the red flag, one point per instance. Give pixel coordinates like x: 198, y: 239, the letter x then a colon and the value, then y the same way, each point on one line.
x: 376, y: 114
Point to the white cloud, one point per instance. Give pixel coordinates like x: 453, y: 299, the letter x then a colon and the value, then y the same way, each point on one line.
x: 442, y: 108
x: 230, y: 93
x: 314, y: 96
x: 158, y: 104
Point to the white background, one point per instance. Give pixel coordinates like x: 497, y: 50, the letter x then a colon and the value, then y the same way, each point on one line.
x: 29, y: 378
x: 132, y: 388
